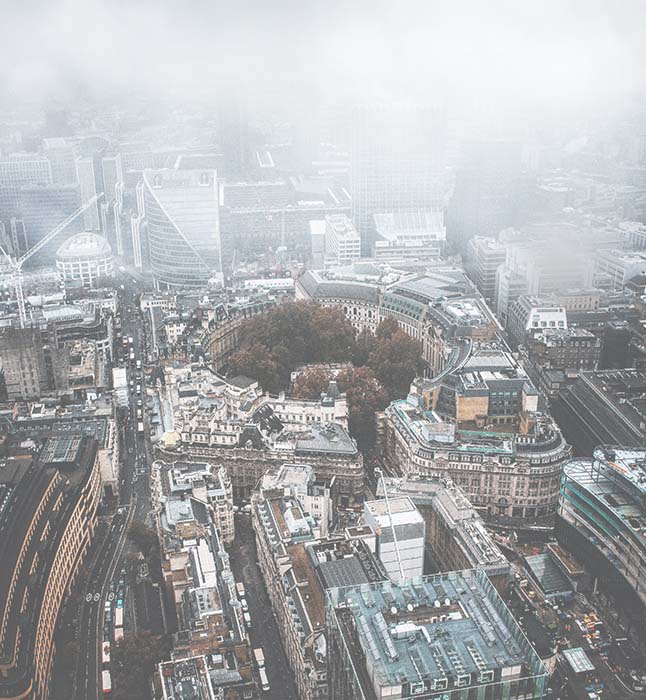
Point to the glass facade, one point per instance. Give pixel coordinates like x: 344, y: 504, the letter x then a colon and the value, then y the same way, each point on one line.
x: 182, y: 216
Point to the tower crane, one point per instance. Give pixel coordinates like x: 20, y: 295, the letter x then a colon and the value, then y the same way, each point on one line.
x: 15, y: 263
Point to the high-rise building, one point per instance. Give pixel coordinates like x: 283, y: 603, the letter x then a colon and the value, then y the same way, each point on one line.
x: 20, y: 170
x: 342, y: 242
x: 483, y: 258
x: 485, y: 198
x: 444, y: 636
x: 43, y: 208
x: 397, y: 154
x: 183, y: 224
x: 90, y: 179
x: 62, y: 157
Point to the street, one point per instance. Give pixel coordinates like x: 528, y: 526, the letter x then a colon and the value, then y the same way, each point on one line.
x: 264, y: 631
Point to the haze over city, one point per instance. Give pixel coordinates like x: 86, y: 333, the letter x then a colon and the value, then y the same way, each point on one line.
x: 322, y: 350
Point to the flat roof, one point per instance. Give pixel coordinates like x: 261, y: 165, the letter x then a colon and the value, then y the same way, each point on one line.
x: 448, y: 626
x: 579, y: 661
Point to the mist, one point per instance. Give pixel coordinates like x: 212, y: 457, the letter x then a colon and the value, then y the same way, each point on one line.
x: 548, y: 55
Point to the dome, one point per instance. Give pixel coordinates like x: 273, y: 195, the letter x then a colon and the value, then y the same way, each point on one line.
x: 84, y: 245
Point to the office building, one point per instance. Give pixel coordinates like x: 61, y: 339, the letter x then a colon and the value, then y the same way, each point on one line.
x: 408, y: 235
x: 50, y: 489
x: 84, y: 259
x: 505, y: 474
x: 400, y: 534
x: 22, y: 361
x: 183, y: 227
x: 613, y: 269
x: 483, y: 258
x: 342, y: 242
x: 397, y: 163
x: 89, y: 177
x: 17, y: 171
x: 528, y: 314
x: 486, y: 193
x: 444, y: 636
x: 61, y: 154
x: 455, y: 532
x: 44, y: 207
x: 602, y: 519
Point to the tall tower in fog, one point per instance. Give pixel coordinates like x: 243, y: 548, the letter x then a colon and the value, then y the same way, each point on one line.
x: 397, y: 159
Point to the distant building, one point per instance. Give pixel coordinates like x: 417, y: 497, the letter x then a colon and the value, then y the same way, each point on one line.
x: 400, y: 536
x: 384, y: 641
x: 42, y: 209
x: 85, y: 259
x: 342, y: 242
x: 483, y: 258
x: 88, y: 176
x: 410, y: 235
x: 183, y: 227
x: 397, y: 163
x: 17, y: 171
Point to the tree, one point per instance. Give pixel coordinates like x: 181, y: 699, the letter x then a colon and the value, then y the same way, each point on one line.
x: 135, y: 658
x: 143, y: 536
x: 258, y: 363
x: 309, y: 385
x: 395, y: 361
x: 365, y: 397
x: 387, y: 328
x: 363, y: 344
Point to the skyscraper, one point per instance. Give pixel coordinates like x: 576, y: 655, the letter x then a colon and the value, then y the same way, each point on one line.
x: 397, y: 157
x: 182, y: 216
x: 485, y: 198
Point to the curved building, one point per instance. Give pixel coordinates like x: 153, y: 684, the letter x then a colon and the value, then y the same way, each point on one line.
x: 182, y: 215
x: 85, y: 258
x: 602, y: 517
x: 49, y: 495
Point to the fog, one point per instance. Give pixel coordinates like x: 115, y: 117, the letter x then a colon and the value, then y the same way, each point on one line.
x: 550, y: 55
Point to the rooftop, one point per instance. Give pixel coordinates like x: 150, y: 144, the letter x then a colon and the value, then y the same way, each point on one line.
x: 443, y: 631
x: 82, y: 245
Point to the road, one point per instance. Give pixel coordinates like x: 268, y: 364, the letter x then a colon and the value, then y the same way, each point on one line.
x: 107, y: 556
x: 264, y: 630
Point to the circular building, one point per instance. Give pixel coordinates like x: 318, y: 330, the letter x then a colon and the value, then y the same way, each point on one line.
x: 85, y: 258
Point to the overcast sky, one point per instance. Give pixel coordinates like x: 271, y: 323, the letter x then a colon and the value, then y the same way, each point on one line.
x: 493, y: 50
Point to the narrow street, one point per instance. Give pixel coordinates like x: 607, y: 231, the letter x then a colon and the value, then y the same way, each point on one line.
x: 264, y: 630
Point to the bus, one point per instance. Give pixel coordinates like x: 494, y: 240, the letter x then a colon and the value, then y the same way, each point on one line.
x: 118, y: 617
x: 259, y: 656
x: 107, y: 682
x: 264, y: 682
x: 105, y: 653
x: 118, y: 634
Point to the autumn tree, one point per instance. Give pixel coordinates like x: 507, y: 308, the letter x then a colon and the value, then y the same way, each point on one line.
x: 365, y: 397
x: 135, y: 658
x: 395, y: 359
x: 363, y: 345
x: 310, y: 384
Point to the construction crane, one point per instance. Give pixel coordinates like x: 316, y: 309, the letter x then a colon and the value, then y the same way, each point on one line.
x: 15, y: 264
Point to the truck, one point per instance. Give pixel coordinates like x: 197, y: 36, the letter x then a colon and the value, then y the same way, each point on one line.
x: 240, y: 589
x: 259, y: 657
x: 118, y: 618
x: 140, y: 427
x: 107, y: 682
x: 264, y: 682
